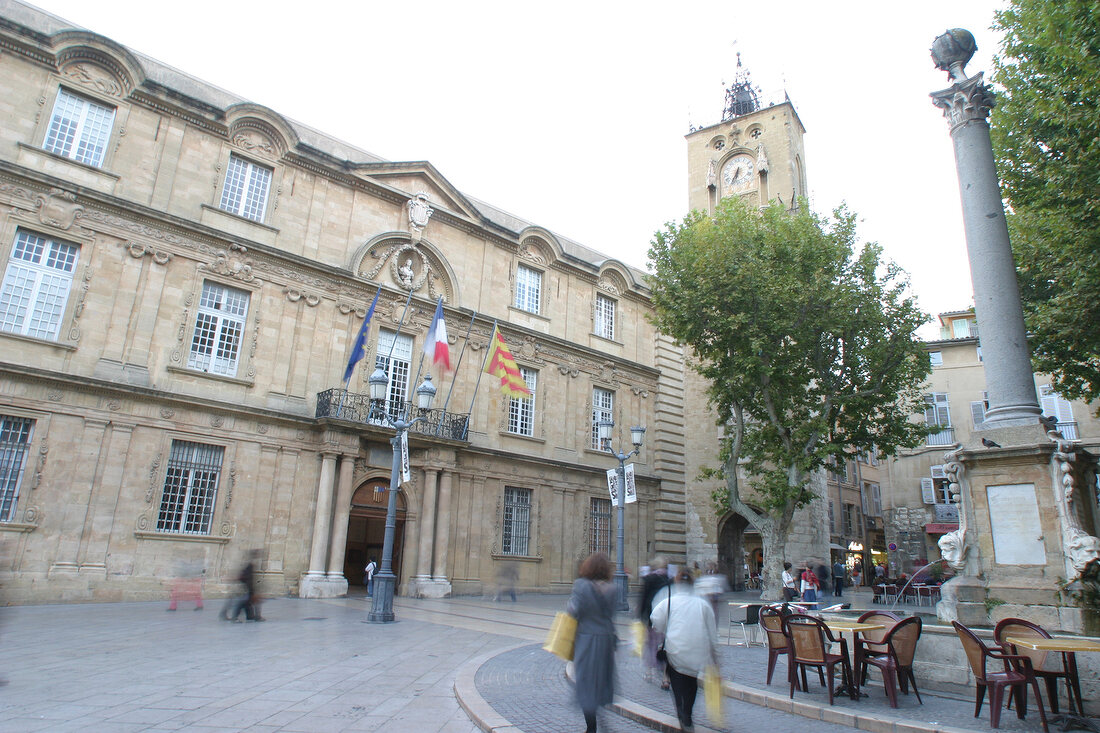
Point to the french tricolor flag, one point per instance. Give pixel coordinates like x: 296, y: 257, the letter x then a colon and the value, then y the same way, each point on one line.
x: 435, y: 345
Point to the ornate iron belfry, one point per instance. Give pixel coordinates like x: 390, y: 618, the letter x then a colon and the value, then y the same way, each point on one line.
x: 741, y: 97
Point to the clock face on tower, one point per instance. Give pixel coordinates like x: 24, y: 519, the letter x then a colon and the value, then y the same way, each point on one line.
x: 737, y: 173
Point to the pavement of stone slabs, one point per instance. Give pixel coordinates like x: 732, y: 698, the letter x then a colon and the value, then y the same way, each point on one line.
x: 317, y: 666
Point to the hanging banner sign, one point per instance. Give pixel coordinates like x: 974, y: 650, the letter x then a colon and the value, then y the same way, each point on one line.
x: 405, y: 474
x: 613, y: 485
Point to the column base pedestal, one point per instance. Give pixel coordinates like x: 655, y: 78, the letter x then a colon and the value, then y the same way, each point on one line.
x: 421, y: 587
x: 322, y: 586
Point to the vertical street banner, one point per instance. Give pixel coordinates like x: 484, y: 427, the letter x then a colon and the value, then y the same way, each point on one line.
x: 631, y: 489
x: 613, y: 485
x: 405, y: 474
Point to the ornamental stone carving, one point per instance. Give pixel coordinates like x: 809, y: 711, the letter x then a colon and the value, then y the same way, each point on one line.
x: 965, y: 102
x: 419, y: 212
x: 761, y: 158
x: 226, y: 263
x: 94, y: 77
x: 58, y: 209
x: 954, y: 548
x: 137, y: 250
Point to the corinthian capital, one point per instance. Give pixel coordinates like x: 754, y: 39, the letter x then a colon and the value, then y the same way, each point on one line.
x: 966, y: 101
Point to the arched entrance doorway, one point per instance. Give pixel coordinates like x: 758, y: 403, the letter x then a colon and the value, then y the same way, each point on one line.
x: 738, y: 545
x: 367, y: 530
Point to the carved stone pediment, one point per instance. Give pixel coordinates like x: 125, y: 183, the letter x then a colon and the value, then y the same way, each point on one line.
x: 94, y: 77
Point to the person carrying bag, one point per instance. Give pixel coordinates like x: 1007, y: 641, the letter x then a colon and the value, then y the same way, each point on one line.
x: 691, y: 644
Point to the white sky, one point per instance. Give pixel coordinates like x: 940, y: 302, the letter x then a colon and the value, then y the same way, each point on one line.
x: 572, y: 115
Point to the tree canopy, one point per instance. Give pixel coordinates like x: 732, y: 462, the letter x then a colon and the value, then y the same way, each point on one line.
x: 1046, y: 139
x: 810, y: 348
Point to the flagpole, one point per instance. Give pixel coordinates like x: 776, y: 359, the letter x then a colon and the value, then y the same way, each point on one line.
x: 454, y: 378
x: 477, y: 385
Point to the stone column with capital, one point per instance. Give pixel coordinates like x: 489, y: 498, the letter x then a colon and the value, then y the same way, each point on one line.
x: 1019, y: 532
x: 341, y: 516
x: 313, y: 584
x: 1006, y: 357
x: 424, y: 585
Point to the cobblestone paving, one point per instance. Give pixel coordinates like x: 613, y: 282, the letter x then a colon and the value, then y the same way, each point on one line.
x: 528, y: 687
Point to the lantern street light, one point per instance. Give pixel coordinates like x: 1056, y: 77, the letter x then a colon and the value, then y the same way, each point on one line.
x: 637, y: 435
x: 384, y: 581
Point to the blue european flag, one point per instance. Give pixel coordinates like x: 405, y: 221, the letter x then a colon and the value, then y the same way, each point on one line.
x: 359, y: 350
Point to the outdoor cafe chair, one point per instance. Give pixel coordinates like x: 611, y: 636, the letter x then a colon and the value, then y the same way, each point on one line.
x: 890, y: 590
x: 808, y: 636
x: 772, y: 621
x: 928, y: 592
x: 1019, y: 627
x: 878, y: 594
x: 1017, y: 677
x: 897, y: 663
x: 872, y: 643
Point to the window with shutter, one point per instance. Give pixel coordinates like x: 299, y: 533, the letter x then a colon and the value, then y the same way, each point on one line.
x: 928, y: 491
x: 977, y: 413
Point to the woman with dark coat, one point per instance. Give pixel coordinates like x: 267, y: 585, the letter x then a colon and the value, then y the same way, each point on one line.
x: 592, y: 603
x: 651, y: 586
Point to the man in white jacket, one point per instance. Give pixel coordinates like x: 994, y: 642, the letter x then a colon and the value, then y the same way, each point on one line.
x: 691, y: 642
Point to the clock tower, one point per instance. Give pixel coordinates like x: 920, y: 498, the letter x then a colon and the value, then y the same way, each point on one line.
x: 755, y: 152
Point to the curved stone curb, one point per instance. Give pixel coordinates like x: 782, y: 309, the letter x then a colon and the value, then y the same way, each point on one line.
x: 483, y: 715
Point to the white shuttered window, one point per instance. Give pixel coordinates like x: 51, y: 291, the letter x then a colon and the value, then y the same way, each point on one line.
x: 246, y: 188
x: 79, y: 129
x: 36, y: 286
x: 216, y: 345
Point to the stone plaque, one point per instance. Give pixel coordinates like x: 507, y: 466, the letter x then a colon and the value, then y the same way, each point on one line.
x: 1017, y: 531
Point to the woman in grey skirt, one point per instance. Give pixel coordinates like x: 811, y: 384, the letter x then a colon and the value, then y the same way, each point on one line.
x: 592, y: 603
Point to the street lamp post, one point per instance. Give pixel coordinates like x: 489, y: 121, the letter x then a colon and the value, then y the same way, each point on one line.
x: 637, y: 434
x: 382, y: 603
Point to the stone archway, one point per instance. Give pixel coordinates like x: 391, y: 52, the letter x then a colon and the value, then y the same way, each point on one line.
x: 367, y: 527
x: 738, y: 545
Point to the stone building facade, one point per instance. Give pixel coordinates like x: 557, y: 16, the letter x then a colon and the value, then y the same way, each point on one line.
x: 185, y: 275
x: 917, y: 506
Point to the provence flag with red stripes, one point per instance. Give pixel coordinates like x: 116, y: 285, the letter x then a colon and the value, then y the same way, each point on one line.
x: 501, y: 363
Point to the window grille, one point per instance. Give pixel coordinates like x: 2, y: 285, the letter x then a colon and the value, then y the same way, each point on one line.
x: 15, y: 437
x: 79, y: 129
x: 600, y: 516
x: 216, y: 345
x: 190, y: 488
x: 521, y: 410
x: 36, y: 285
x: 528, y: 289
x: 246, y: 188
x: 516, y: 528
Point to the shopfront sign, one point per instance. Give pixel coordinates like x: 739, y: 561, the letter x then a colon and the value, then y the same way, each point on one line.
x: 940, y: 527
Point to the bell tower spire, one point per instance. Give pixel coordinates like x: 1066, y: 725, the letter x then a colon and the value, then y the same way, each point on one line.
x: 741, y: 97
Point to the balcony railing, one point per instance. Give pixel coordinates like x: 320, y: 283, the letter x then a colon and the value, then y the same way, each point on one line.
x: 358, y: 408
x: 946, y: 436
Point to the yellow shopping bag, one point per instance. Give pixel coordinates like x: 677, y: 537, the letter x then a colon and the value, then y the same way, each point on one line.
x: 563, y: 632
x: 638, y: 630
x: 712, y: 693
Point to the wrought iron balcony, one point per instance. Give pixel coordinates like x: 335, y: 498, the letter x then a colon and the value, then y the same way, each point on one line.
x: 946, y: 436
x: 341, y: 404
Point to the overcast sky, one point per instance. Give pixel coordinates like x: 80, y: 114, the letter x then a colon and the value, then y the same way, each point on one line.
x: 572, y: 115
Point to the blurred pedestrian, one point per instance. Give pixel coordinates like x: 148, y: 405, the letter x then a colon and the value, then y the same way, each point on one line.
x: 809, y: 585
x: 248, y: 601
x: 651, y: 586
x: 592, y: 603
x: 187, y: 585
x: 691, y: 643
x: 507, y: 577
x: 710, y: 587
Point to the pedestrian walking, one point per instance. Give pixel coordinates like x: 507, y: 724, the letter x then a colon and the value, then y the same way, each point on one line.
x: 507, y: 577
x: 249, y: 600
x: 592, y: 603
x: 838, y: 579
x: 809, y: 585
x: 691, y: 643
x: 370, y: 570
x: 651, y: 586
